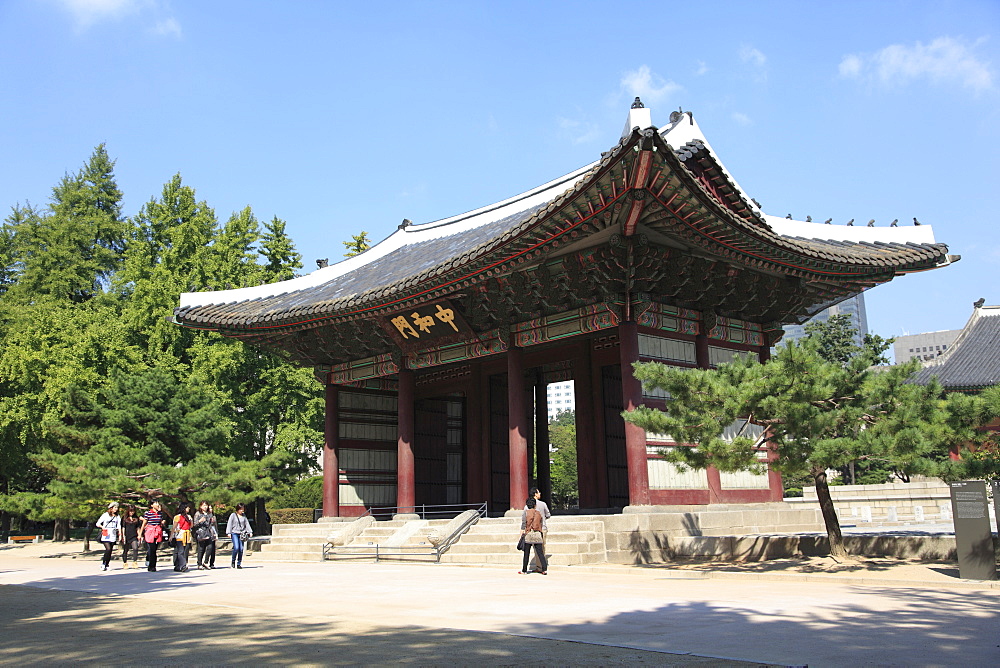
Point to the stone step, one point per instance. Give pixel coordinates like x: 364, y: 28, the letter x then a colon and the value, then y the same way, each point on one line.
x: 290, y: 556
x: 554, y: 548
x: 514, y: 559
x: 558, y: 537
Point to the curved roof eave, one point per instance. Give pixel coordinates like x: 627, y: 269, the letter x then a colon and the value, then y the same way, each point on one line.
x: 403, y: 236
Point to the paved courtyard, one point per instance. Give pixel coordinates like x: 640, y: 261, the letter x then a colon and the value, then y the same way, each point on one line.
x: 56, y: 606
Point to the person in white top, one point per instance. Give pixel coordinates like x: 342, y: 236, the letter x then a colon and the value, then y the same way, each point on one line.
x: 110, y: 525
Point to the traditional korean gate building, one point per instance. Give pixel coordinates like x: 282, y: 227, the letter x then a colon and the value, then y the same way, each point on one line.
x: 435, y: 346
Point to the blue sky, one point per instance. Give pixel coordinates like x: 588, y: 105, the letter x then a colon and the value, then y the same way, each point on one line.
x: 341, y: 117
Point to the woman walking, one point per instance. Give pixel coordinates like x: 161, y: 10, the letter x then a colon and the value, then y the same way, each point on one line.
x: 154, y: 521
x: 110, y: 525
x: 531, y: 530
x: 206, y: 532
x: 130, y: 536
x: 239, y: 531
x: 182, y: 538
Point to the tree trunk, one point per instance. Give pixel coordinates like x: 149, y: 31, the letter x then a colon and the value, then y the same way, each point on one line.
x: 837, y: 549
x: 263, y: 527
x: 60, y: 530
x: 86, y: 538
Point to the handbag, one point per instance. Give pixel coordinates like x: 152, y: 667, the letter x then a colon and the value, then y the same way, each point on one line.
x: 533, y: 537
x: 203, y: 533
x: 520, y: 543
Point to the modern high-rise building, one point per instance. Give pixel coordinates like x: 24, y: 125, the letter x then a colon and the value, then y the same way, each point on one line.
x: 925, y: 346
x: 560, y: 397
x: 854, y: 307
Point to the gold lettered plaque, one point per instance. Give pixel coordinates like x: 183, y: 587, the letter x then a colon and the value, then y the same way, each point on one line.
x: 427, y: 325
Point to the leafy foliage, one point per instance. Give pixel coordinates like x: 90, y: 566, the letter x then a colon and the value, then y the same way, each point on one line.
x: 358, y: 244
x: 822, y: 410
x: 563, y: 471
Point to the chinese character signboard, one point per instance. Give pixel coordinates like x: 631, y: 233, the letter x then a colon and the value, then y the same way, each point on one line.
x: 427, y: 325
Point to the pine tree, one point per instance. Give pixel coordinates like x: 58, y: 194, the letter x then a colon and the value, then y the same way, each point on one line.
x: 819, y: 415
x: 282, y: 260
x: 358, y: 244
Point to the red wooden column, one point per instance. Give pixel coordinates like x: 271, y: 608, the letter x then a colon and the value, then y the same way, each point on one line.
x: 712, y: 476
x: 587, y: 407
x: 331, y: 467
x: 542, y: 473
x: 405, y: 483
x: 517, y: 425
x: 635, y: 436
x: 475, y: 459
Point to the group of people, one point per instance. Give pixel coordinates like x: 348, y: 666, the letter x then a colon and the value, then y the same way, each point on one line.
x: 150, y: 531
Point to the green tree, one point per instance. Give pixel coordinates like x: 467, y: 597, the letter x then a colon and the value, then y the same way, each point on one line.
x: 281, y: 258
x: 562, y: 441
x: 358, y: 244
x: 71, y: 251
x: 819, y: 414
x: 169, y: 252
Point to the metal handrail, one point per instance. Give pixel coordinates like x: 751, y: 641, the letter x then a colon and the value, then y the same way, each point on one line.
x: 416, y: 550
x: 425, y: 510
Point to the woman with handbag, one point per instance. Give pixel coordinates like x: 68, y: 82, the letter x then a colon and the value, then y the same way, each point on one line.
x: 182, y: 538
x: 205, y: 534
x: 110, y: 525
x: 239, y: 531
x: 130, y: 536
x: 153, y: 522
x: 531, y: 531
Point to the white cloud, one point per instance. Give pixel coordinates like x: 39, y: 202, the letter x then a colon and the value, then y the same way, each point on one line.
x: 944, y: 60
x: 169, y: 27
x: 87, y: 13
x: 741, y: 118
x: 702, y: 68
x: 645, y: 84
x: 749, y: 54
x: 579, y: 132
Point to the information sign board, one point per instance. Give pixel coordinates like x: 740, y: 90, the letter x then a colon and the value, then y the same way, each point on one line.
x: 973, y: 535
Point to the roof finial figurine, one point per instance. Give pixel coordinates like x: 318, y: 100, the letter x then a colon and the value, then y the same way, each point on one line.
x: 850, y: 223
x: 406, y: 223
x: 979, y: 302
x: 828, y: 221
x: 871, y: 223
x: 325, y: 262
x: 809, y: 219
x: 638, y: 103
x: 915, y: 221
x: 894, y: 223
x: 788, y: 217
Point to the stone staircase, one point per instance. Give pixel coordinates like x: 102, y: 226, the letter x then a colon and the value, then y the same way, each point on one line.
x: 491, y: 541
x: 571, y: 541
x: 304, y: 542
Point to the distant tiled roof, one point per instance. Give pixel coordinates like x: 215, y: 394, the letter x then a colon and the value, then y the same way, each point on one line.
x: 973, y: 361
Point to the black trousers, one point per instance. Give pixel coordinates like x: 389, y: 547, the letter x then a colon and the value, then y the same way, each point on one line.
x: 133, y: 547
x: 151, y: 555
x: 108, y: 547
x: 206, y: 552
x: 539, y: 554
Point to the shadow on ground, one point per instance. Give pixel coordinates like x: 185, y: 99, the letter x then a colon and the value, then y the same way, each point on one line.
x: 44, y: 627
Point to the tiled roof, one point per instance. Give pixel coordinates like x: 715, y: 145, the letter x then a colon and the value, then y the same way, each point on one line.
x: 973, y: 361
x: 436, y: 255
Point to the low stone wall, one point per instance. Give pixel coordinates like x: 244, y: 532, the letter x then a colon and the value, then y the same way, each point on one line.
x: 653, y: 534
x: 890, y: 504
x: 652, y: 548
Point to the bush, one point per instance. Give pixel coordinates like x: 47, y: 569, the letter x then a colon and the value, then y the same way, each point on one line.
x: 306, y: 493
x: 291, y: 515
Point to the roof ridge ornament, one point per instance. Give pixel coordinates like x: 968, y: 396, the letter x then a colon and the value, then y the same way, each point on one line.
x: 638, y: 103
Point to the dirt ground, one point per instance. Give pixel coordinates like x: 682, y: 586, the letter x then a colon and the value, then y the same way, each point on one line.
x: 59, y: 627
